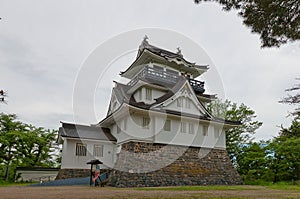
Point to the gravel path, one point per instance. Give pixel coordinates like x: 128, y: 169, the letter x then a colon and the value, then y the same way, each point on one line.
x: 108, y: 192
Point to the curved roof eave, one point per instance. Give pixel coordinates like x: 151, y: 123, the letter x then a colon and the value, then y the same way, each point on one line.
x: 196, y: 70
x: 227, y: 123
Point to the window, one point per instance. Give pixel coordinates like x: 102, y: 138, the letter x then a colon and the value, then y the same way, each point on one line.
x: 216, y: 132
x: 118, y: 129
x: 167, y: 126
x: 148, y: 93
x: 146, y: 121
x: 191, y: 128
x: 179, y: 102
x: 80, y: 149
x: 173, y: 73
x: 183, y: 127
x: 158, y: 71
x: 125, y: 124
x: 205, y: 130
x: 98, y: 150
x: 187, y: 103
x: 140, y: 94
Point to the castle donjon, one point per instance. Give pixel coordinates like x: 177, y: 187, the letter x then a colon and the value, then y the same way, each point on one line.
x: 157, y: 131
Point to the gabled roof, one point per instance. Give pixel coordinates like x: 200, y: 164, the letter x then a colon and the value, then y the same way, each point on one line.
x: 146, y: 107
x: 148, y: 52
x: 120, y: 91
x: 85, y: 132
x: 122, y: 95
x: 167, y: 54
x: 127, y: 99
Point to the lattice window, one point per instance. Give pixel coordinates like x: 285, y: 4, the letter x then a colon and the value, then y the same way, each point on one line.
x: 118, y: 128
x: 140, y: 94
x: 145, y: 122
x: 205, y: 130
x: 148, y: 93
x: 183, y: 127
x: 216, y: 131
x: 191, y: 128
x: 98, y: 150
x: 167, y: 125
x: 125, y: 124
x: 80, y: 149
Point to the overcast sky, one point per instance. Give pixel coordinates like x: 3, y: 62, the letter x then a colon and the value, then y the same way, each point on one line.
x: 43, y: 45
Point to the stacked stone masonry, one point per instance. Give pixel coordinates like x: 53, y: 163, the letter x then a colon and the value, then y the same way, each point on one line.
x: 151, y: 165
x: 72, y: 173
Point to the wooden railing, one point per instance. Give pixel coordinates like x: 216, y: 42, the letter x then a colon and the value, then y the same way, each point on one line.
x: 162, y: 76
x: 155, y: 74
x: 198, y: 86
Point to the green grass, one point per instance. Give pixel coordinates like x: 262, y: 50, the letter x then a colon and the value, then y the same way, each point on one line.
x: 278, y: 186
x: 7, y: 184
x: 200, y: 188
x: 282, y: 186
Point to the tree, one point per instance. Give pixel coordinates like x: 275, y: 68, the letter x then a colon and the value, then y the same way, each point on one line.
x: 2, y: 95
x: 293, y: 98
x: 252, y: 161
x: 293, y: 131
x: 286, y: 158
x: 277, y: 21
x: 9, y: 128
x: 236, y: 137
x: 25, y: 145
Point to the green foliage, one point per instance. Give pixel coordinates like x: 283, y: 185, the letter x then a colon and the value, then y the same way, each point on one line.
x: 251, y: 162
x: 24, y: 145
x: 237, y: 136
x: 273, y: 161
x: 286, y: 159
x: 293, y: 131
x: 277, y: 21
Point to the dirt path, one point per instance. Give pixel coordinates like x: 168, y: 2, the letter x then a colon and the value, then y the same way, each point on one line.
x: 107, y: 192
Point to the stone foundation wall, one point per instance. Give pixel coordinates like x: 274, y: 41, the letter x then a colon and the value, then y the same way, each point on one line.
x: 171, y: 165
x: 76, y: 173
x: 72, y: 173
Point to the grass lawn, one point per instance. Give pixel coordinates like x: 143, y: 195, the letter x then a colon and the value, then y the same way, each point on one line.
x: 13, y: 190
x: 221, y: 188
x: 7, y: 184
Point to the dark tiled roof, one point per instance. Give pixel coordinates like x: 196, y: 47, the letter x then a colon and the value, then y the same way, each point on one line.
x: 181, y: 80
x: 178, y: 113
x: 85, y: 132
x: 168, y: 54
x: 207, y: 96
x: 37, y: 169
x: 121, y: 92
x: 163, y: 52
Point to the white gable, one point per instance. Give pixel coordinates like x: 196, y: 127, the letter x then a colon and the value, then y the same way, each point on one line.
x: 114, y: 103
x: 184, y: 101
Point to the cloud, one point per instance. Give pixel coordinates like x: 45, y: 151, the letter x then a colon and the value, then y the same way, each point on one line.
x: 43, y: 45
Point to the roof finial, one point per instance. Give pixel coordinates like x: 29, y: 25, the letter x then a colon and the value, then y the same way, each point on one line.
x: 145, y: 41
x: 179, y: 52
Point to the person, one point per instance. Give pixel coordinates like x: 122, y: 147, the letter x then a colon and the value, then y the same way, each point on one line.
x: 96, y: 175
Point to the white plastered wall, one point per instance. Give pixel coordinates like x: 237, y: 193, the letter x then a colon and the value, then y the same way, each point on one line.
x: 70, y: 160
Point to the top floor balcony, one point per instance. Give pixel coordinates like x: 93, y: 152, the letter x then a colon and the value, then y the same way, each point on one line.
x: 165, y: 78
